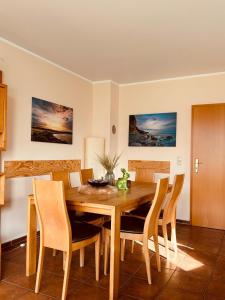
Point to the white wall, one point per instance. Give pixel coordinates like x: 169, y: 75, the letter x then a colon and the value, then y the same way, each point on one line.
x: 101, y: 112
x: 28, y: 76
x: 168, y: 96
x: 114, y: 118
x: 105, y: 113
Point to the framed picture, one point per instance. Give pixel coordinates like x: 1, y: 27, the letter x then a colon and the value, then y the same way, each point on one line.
x: 153, y: 130
x: 51, y: 122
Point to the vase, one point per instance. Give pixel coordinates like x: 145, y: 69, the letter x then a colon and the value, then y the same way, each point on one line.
x: 110, y: 177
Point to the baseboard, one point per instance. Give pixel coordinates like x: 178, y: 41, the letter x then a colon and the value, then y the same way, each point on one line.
x: 8, y: 246
x: 183, y: 222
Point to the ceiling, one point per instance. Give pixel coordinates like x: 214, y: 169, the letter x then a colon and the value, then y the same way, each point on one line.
x: 121, y: 40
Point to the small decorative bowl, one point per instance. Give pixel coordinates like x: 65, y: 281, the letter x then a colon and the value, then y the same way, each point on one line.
x: 98, y: 182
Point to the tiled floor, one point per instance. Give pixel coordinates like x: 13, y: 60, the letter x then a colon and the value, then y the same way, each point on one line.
x: 197, y: 272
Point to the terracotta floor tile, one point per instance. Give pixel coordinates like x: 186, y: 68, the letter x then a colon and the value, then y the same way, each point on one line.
x: 177, y: 294
x: 13, y: 273
x: 174, y: 261
x: 124, y: 297
x: 33, y: 296
x: 197, y: 269
x: 222, y: 248
x: 10, y: 292
x: 139, y: 288
x: 187, y: 281
x: 213, y: 297
x: 17, y: 255
x: 86, y: 292
x: 104, y: 281
x: 216, y: 288
x: 51, y: 285
x: 158, y: 278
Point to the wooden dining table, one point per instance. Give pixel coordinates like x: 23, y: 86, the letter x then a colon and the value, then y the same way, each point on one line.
x: 112, y: 205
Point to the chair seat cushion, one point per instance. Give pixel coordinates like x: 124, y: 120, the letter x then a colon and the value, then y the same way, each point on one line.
x: 129, y: 224
x: 83, y: 231
x: 87, y: 217
x: 143, y: 210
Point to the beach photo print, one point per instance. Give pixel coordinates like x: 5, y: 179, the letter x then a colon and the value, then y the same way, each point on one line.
x: 51, y: 122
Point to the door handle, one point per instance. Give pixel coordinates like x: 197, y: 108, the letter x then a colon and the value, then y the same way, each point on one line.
x: 196, y: 165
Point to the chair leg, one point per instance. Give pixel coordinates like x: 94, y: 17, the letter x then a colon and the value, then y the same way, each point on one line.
x: 40, y: 267
x: 122, y: 251
x: 82, y: 257
x: 68, y: 256
x: 132, y: 247
x: 147, y: 263
x: 97, y: 257
x: 106, y: 254
x: 164, y: 228
x: 54, y: 252
x: 64, y: 260
x: 156, y: 243
x: 173, y: 235
x: 102, y: 241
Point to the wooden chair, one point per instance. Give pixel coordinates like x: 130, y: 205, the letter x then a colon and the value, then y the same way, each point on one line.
x: 137, y: 229
x: 63, y: 176
x: 94, y: 219
x: 85, y: 175
x: 168, y: 214
x: 144, y: 175
x: 56, y: 231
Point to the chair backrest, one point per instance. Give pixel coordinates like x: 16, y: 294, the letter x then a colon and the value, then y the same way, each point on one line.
x: 170, y: 208
x: 145, y: 169
x: 151, y: 221
x: 144, y: 175
x: 85, y: 175
x: 55, y: 228
x: 63, y: 176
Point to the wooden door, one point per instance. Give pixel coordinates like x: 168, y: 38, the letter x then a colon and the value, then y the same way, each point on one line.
x: 208, y: 166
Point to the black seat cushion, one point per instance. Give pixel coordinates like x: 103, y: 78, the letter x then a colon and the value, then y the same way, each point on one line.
x: 87, y: 217
x: 83, y: 231
x: 143, y: 210
x: 129, y: 224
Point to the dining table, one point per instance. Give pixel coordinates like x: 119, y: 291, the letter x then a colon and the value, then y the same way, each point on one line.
x: 112, y: 205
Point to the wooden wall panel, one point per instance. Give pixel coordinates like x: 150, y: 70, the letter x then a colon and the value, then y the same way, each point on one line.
x: 27, y: 168
x: 154, y: 165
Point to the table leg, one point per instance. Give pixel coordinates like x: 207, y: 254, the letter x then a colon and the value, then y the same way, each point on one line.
x: 31, y: 251
x: 115, y: 255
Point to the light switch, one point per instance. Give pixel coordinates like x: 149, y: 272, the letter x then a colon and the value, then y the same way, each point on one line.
x: 179, y: 161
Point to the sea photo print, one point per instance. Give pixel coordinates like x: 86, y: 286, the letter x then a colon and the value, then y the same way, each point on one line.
x: 51, y: 122
x: 153, y: 130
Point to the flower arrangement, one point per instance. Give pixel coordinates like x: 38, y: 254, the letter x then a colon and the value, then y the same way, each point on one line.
x: 109, y: 163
